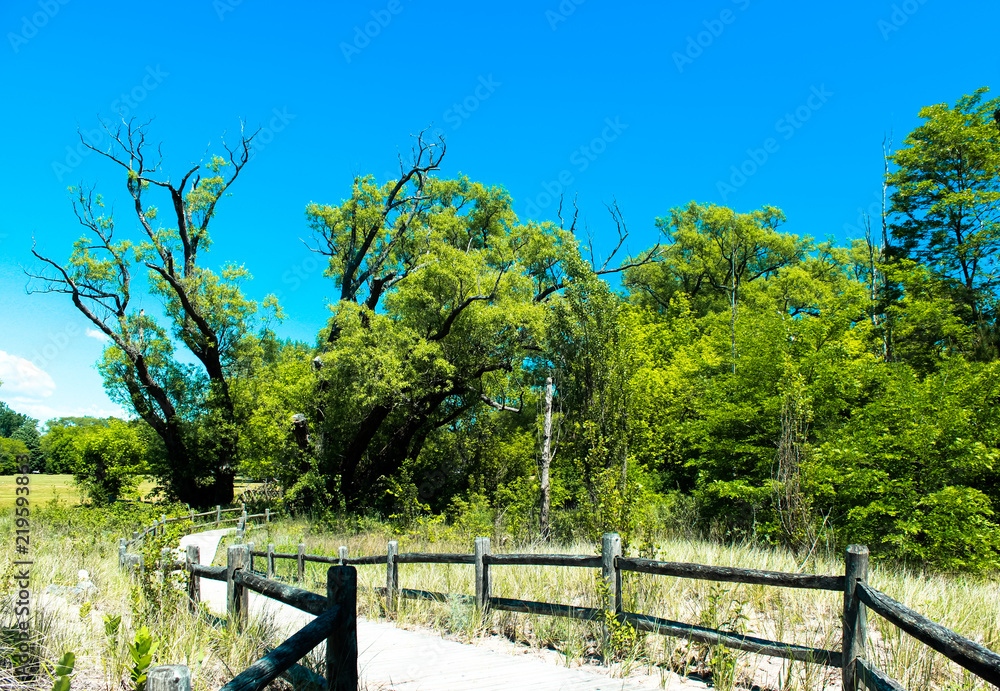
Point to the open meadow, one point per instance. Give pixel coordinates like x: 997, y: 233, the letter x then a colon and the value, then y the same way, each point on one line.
x: 64, y: 491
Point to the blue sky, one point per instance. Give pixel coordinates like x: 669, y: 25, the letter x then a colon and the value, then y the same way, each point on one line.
x: 741, y: 102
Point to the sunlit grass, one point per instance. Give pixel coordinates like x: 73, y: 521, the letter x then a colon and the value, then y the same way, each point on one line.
x: 67, y: 621
x: 63, y: 489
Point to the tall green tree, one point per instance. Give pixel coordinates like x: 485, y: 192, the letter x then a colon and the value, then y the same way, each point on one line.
x: 442, y: 309
x: 27, y: 433
x: 112, y: 461
x: 11, y: 420
x: 61, y: 442
x: 11, y: 452
x: 713, y: 253
x: 945, y: 203
x: 191, y: 407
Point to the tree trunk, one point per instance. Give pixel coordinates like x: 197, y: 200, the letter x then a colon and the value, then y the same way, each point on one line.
x: 543, y: 520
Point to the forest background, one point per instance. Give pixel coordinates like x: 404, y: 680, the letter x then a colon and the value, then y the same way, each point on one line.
x: 487, y: 369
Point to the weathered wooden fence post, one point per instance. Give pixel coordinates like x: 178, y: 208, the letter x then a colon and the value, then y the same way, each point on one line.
x: 342, y: 644
x: 481, y: 549
x: 135, y: 535
x: 192, y: 516
x: 611, y: 549
x: 391, y: 577
x: 855, y: 615
x: 267, y: 515
x: 168, y: 678
x: 302, y: 562
x: 270, y: 560
x: 250, y: 556
x: 237, y: 596
x: 192, y: 555
x: 122, y: 551
x: 342, y: 554
x: 218, y: 515
x: 163, y: 524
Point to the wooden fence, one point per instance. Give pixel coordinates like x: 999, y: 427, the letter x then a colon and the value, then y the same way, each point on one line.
x: 335, y: 622
x: 215, y: 517
x: 858, y: 597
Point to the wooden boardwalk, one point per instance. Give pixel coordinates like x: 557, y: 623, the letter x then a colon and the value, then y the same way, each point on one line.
x: 393, y: 658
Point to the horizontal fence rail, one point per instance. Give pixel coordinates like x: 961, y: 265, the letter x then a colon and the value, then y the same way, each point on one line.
x: 750, y: 644
x: 544, y: 560
x: 731, y: 574
x: 215, y: 573
x: 305, y: 600
x: 424, y: 558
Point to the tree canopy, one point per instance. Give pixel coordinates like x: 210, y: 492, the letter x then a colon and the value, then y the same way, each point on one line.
x: 743, y: 380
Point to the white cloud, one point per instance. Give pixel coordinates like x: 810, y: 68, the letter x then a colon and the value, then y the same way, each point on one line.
x: 99, y: 335
x: 24, y: 377
x: 43, y: 412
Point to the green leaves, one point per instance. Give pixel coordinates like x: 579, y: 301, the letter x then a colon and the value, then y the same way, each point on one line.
x: 946, y: 199
x: 112, y: 460
x: 63, y: 671
x: 141, y: 649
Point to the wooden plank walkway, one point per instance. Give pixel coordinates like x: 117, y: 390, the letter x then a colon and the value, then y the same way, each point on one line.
x: 393, y: 658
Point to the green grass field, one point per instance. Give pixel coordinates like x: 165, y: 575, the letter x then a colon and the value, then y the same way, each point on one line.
x: 43, y: 489
x: 62, y: 488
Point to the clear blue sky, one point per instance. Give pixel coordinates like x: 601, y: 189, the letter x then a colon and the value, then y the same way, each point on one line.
x: 652, y: 104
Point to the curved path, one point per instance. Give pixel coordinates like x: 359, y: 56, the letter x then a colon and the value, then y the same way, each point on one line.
x: 393, y: 658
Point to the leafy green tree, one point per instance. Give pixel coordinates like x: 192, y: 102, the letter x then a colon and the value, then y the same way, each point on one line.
x: 11, y: 451
x: 442, y: 308
x: 191, y: 407
x: 912, y: 472
x: 112, y: 461
x: 10, y: 421
x: 946, y: 200
x: 269, y: 401
x: 28, y: 434
x: 713, y: 253
x: 60, y: 444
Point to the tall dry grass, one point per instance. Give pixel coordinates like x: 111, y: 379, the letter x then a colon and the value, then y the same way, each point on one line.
x: 83, y: 623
